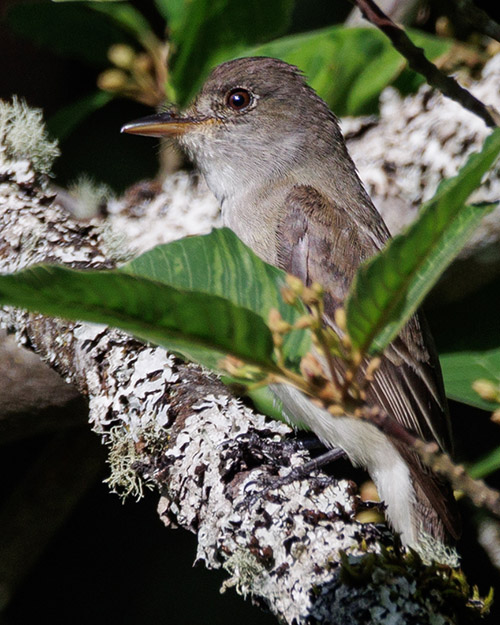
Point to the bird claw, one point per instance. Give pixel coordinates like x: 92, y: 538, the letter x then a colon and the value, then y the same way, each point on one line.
x: 296, y: 473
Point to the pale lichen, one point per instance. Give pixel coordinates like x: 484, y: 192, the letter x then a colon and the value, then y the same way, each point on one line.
x: 91, y: 197
x: 23, y: 136
x: 432, y: 550
x: 124, y: 479
x: 246, y: 573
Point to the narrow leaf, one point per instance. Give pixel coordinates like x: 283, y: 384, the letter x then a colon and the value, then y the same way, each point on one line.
x: 486, y: 465
x: 388, y: 288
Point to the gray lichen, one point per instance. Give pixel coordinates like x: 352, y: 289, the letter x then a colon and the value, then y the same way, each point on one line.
x: 124, y: 456
x: 90, y: 196
x: 23, y: 136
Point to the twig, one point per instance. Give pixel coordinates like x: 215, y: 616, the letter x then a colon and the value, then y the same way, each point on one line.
x: 479, y: 493
x: 419, y: 63
x: 322, y: 388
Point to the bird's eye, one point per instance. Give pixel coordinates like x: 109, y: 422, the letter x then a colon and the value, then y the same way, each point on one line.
x: 239, y: 99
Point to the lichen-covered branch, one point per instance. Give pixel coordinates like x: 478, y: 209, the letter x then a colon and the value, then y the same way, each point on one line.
x: 174, y: 427
x: 416, y: 142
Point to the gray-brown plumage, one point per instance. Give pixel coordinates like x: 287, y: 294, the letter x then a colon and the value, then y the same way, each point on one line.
x: 273, y: 154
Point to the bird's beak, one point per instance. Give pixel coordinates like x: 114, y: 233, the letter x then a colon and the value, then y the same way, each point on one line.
x: 168, y: 124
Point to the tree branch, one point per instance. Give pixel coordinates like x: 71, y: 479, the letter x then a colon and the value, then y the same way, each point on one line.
x: 419, y: 63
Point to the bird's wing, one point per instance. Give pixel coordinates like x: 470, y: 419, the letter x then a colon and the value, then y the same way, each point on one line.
x: 408, y: 384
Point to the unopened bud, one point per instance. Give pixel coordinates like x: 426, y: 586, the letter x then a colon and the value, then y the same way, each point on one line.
x: 444, y: 27
x: 289, y: 296
x: 121, y: 55
x: 295, y: 284
x: 495, y: 417
x: 356, y: 357
x: 310, y: 297
x: 276, y: 322
x: 336, y: 411
x: 311, y: 368
x: 112, y: 80
x: 143, y: 63
x: 277, y: 340
x: 329, y: 395
x: 487, y: 389
x: 340, y: 319
x: 373, y: 365
x: 303, y: 322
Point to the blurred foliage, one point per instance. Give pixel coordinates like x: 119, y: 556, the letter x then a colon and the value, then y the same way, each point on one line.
x: 348, y: 67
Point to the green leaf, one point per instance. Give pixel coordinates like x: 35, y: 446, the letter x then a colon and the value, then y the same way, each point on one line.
x: 461, y: 369
x: 200, y: 326
x: 486, y: 465
x: 216, y: 30
x: 389, y: 287
x: 348, y: 67
x: 220, y: 264
x: 203, y: 297
x: 62, y: 123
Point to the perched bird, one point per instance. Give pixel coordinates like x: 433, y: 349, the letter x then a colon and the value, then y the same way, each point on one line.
x: 274, y: 156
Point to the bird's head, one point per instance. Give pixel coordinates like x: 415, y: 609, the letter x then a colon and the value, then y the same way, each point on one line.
x: 254, y: 117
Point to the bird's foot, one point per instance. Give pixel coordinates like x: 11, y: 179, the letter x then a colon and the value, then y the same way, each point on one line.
x: 266, y: 486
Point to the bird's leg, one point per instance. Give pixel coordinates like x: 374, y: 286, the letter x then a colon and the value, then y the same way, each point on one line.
x: 304, y: 470
x: 296, y: 473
